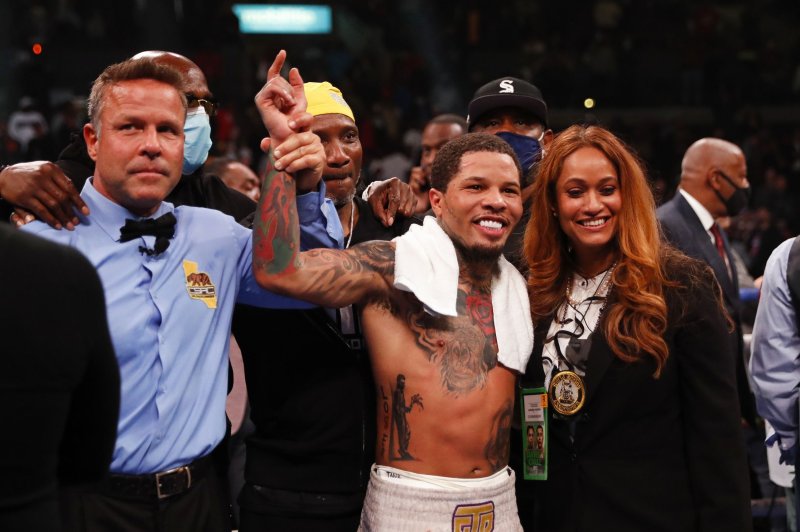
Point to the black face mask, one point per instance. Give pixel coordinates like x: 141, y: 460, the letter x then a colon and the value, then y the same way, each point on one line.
x: 736, y: 201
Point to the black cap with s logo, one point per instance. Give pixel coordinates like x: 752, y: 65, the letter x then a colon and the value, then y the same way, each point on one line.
x: 507, y: 92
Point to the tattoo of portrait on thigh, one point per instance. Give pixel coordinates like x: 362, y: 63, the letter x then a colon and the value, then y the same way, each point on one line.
x: 398, y: 449
x: 497, y: 448
x: 465, y: 347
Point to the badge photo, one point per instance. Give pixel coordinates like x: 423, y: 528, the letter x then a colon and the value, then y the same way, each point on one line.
x: 534, y: 433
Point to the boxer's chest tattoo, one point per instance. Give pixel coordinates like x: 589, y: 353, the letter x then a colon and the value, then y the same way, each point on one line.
x: 464, y: 347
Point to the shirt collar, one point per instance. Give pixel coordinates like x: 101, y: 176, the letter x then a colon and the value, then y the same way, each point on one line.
x: 702, y: 213
x: 110, y: 216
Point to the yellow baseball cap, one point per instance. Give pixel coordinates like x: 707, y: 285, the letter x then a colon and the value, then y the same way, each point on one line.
x: 325, y: 99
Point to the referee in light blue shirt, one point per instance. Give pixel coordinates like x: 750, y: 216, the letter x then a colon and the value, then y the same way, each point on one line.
x: 775, y: 362
x: 171, y: 277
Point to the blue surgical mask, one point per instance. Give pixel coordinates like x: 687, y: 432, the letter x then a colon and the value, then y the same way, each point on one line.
x: 197, y: 140
x: 528, y: 149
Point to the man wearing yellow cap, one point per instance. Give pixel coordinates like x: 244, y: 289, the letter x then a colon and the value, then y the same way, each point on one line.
x: 334, y: 123
x: 308, y: 460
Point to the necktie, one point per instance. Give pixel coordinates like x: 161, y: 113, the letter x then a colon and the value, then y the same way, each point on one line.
x: 720, y: 245
x: 718, y: 242
x: 163, y: 228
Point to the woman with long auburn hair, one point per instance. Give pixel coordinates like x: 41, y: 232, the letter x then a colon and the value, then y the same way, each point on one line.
x: 631, y: 345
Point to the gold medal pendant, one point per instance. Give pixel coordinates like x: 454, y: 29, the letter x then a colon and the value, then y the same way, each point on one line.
x: 567, y: 393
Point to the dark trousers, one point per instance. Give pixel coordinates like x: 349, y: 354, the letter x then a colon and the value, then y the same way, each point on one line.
x: 198, y: 509
x: 41, y: 515
x: 266, y: 510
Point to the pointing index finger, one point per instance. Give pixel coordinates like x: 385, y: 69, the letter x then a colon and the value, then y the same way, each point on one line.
x: 277, y: 65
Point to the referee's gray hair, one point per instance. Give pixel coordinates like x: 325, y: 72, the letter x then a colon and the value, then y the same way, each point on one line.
x: 129, y: 70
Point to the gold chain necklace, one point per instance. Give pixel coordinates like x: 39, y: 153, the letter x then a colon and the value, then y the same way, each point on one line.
x: 604, y: 284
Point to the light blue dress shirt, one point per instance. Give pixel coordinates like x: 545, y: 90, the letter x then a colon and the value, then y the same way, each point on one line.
x: 775, y: 362
x: 171, y: 341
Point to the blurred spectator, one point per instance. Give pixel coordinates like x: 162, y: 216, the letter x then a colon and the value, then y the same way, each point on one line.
x: 26, y: 123
x: 41, y: 146
x: 768, y: 231
x: 236, y: 175
x: 438, y: 131
x: 64, y: 124
x: 10, y: 151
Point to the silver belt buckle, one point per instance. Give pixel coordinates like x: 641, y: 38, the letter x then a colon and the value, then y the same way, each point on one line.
x: 171, y: 471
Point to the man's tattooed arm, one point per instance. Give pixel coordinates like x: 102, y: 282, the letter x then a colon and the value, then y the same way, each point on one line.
x: 276, y: 231
x: 327, y: 277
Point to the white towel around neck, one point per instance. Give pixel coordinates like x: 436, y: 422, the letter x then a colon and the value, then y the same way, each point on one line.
x: 426, y: 265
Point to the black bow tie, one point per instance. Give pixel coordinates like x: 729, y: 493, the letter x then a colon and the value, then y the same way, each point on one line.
x: 163, y: 228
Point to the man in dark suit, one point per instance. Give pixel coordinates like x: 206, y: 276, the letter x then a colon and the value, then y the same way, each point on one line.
x: 59, y: 380
x: 713, y: 184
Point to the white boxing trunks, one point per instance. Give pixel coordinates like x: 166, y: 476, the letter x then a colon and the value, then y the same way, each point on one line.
x: 399, y: 500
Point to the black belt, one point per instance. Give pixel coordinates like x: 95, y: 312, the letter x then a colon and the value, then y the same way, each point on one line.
x: 158, y: 486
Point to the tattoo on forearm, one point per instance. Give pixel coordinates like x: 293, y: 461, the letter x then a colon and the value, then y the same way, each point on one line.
x: 376, y: 255
x: 497, y: 448
x: 398, y: 448
x: 465, y: 347
x: 277, y: 228
x: 333, y: 271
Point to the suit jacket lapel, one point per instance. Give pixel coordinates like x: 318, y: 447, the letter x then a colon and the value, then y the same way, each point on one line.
x: 709, y: 251
x: 534, y: 374
x: 600, y: 358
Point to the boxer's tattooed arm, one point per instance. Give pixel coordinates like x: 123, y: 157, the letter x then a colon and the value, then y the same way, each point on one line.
x: 327, y: 277
x: 464, y: 347
x: 376, y: 256
x: 276, y: 232
x: 340, y: 278
x: 497, y: 448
